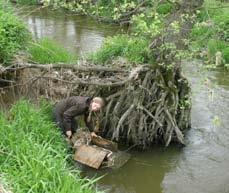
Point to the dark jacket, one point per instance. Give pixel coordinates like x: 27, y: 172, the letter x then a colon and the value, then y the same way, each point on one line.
x: 67, y: 109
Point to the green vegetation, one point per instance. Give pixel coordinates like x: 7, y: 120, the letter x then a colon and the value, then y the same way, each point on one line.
x: 13, y: 35
x: 211, y: 33
x: 27, y: 2
x: 113, y: 10
x: 164, y: 8
x: 33, y: 154
x: 132, y: 48
x: 47, y: 51
x: 145, y: 22
x: 217, y: 45
x: 135, y: 46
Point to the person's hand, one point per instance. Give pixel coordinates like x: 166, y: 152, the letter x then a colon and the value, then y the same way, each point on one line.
x: 93, y: 134
x: 69, y: 134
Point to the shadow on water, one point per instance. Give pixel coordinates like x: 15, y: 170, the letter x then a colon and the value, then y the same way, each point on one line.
x: 201, y: 166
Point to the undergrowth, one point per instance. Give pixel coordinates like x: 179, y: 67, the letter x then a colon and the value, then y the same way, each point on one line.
x: 211, y: 33
x: 13, y: 34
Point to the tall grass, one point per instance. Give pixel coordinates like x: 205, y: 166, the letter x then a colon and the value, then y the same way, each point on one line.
x: 28, y: 2
x: 33, y: 154
x: 46, y: 51
x: 212, y: 30
x: 134, y: 49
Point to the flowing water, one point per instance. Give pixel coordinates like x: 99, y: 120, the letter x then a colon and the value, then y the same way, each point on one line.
x: 202, y: 165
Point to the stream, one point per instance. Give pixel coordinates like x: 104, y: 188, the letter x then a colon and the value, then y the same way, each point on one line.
x: 199, y: 167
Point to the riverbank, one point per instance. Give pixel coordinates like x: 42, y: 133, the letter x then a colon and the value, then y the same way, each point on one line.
x: 210, y: 34
x: 33, y: 154
x: 23, y: 46
x: 209, y: 37
x: 177, y: 171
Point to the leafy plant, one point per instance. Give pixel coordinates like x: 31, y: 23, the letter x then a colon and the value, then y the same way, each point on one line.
x: 146, y: 24
x: 13, y: 36
x: 164, y: 8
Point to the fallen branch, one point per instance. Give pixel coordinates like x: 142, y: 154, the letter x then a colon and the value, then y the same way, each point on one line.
x: 120, y: 123
x: 151, y: 115
x: 76, y: 67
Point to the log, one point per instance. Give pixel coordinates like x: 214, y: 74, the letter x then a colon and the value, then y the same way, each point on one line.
x: 107, y: 144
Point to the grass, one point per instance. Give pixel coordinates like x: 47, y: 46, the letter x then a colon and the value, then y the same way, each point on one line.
x: 27, y: 2
x: 33, y: 154
x: 212, y: 30
x: 46, y: 51
x: 132, y: 48
x: 217, y: 45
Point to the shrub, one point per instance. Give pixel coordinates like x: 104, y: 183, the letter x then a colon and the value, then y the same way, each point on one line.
x: 47, y: 51
x: 164, y: 8
x: 13, y: 36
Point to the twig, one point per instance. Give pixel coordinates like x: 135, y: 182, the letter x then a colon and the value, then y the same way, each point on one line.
x: 4, y: 80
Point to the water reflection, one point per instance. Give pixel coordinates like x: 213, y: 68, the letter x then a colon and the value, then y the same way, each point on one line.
x: 79, y: 34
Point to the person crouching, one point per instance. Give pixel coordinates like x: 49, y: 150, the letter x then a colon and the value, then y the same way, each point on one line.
x: 66, y: 110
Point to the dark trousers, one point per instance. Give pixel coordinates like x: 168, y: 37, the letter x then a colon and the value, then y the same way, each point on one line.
x: 58, y: 119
